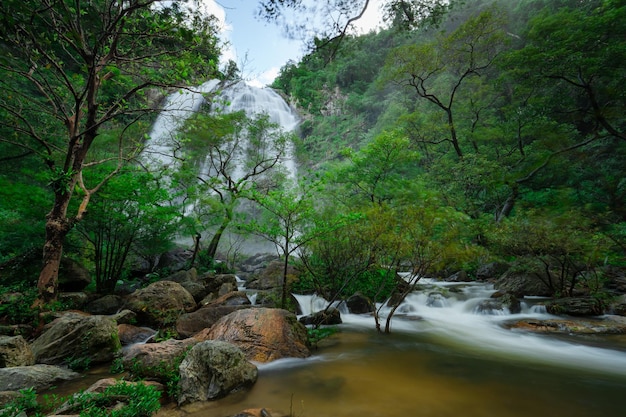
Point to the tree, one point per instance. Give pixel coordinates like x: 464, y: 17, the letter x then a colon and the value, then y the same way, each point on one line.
x: 286, y: 220
x: 130, y: 211
x: 377, y: 171
x: 325, y: 24
x: 436, y: 70
x: 238, y: 152
x: 73, y: 69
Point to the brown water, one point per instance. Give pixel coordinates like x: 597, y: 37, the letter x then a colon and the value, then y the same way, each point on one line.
x: 361, y: 373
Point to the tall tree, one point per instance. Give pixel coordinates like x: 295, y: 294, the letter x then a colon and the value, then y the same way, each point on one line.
x: 237, y: 153
x: 437, y: 70
x: 72, y: 69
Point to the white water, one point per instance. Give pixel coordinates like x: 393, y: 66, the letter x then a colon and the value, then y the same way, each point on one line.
x: 163, y: 147
x: 451, y: 318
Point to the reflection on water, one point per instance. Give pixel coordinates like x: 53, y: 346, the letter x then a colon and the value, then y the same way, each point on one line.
x: 361, y: 373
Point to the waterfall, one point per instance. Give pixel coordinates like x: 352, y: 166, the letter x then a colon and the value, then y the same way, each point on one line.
x: 181, y: 105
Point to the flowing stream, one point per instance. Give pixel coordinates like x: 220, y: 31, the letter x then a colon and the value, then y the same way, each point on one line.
x: 442, y: 359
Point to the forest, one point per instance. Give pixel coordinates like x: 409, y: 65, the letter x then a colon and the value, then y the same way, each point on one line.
x: 475, y: 132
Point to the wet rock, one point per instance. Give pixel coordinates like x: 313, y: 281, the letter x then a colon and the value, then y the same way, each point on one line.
x: 191, y: 323
x: 358, y: 303
x: 437, y: 300
x: 263, y: 334
x: 256, y: 412
x: 490, y: 307
x: 460, y: 276
x: 520, y: 284
x: 156, y: 360
x: 509, y: 301
x: 270, y: 277
x: 575, y: 306
x: 92, y: 338
x: 161, y: 303
x: 327, y: 317
x: 129, y: 334
x: 217, y: 283
x: 15, y: 351
x: 125, y: 317
x: 35, y: 376
x: 605, y: 325
x: 491, y: 270
x: 212, y: 370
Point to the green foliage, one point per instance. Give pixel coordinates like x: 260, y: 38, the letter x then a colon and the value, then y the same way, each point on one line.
x: 26, y: 402
x: 562, y: 251
x: 317, y: 334
x: 138, y: 399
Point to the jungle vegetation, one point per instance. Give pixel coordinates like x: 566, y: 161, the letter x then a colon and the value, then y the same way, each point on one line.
x: 481, y: 131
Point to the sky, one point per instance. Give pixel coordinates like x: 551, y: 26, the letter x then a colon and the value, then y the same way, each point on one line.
x: 260, y: 49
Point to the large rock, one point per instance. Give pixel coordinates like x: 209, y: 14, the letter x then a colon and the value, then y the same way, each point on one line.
x: 156, y: 360
x: 264, y: 334
x: 36, y: 376
x: 108, y: 304
x: 270, y: 277
x: 161, y: 303
x: 74, y: 337
x: 212, y: 370
x: 575, y: 306
x: 204, y: 318
x: 73, y: 276
x: 324, y: 317
x: 605, y: 325
x: 15, y: 351
x: 520, y: 284
x: 358, y: 303
x: 130, y: 334
x: 491, y: 270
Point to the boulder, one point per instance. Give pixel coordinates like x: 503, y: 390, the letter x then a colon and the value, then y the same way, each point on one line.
x: 191, y: 323
x: 270, y: 277
x: 324, y: 317
x: 575, y: 306
x: 509, y: 301
x: 358, y: 303
x: 72, y: 337
x: 605, y: 325
x: 216, y: 283
x: 36, y: 376
x: 161, y: 303
x: 73, y: 277
x: 130, y: 334
x: 212, y: 370
x: 156, y: 360
x: 520, y: 284
x: 15, y: 351
x: 490, y: 307
x: 263, y: 334
x: 459, y: 276
x: 491, y: 270
x: 108, y: 304
x: 175, y: 259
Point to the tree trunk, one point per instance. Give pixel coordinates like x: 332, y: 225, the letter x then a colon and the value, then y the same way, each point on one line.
x: 57, y: 227
x: 283, y: 299
x: 215, y: 241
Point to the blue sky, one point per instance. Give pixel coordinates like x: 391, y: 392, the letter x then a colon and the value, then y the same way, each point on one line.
x: 260, y: 49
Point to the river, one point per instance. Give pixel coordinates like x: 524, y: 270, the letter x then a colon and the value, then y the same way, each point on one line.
x: 441, y: 359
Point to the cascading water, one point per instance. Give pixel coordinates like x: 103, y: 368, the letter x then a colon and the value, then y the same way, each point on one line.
x: 453, y: 313
x: 181, y: 105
